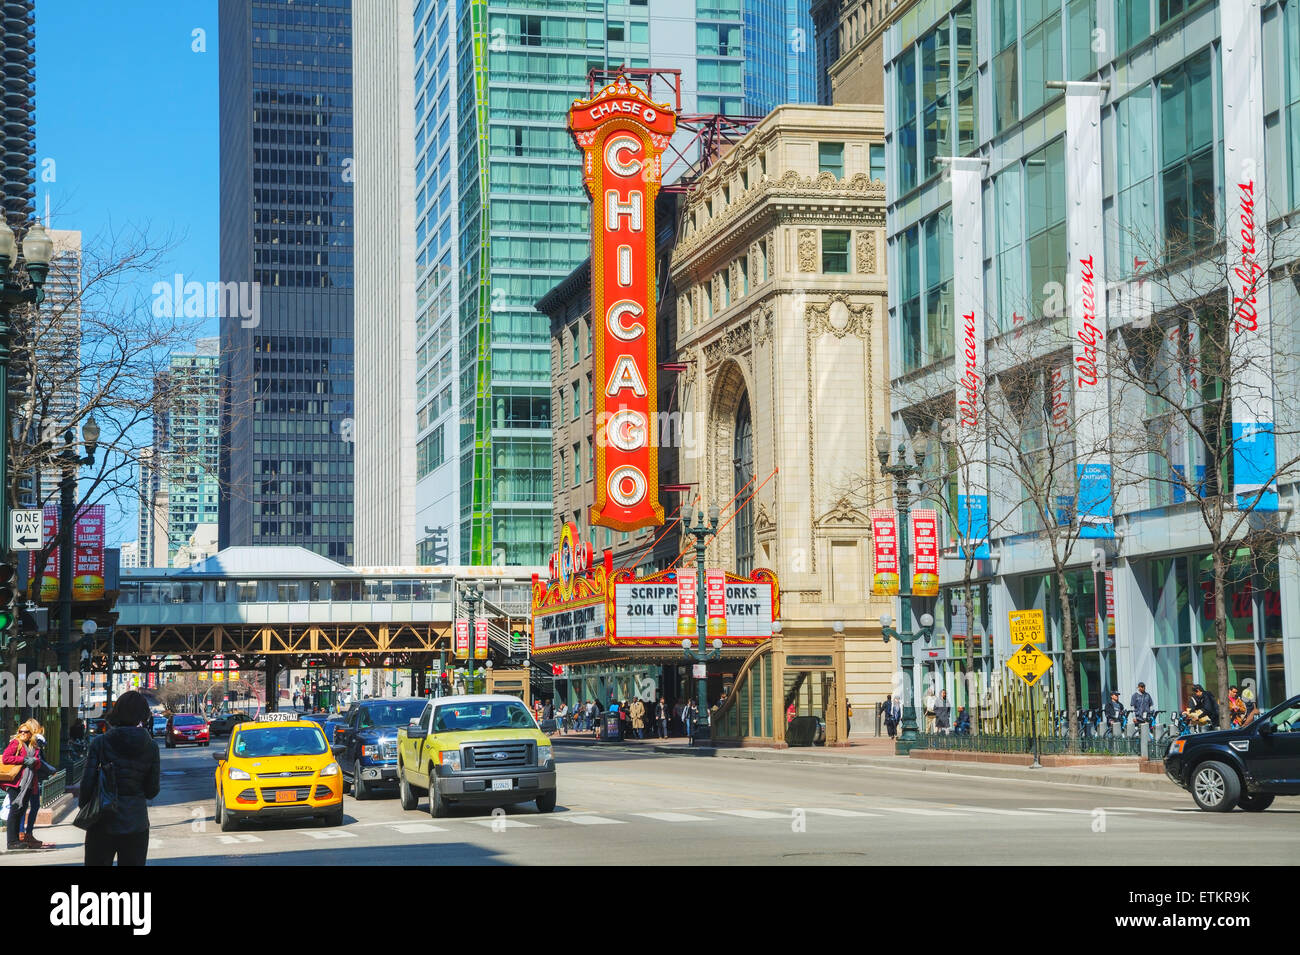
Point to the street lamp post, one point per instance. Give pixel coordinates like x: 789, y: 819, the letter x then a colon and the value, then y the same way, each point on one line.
x: 702, y: 531
x: 69, y: 460
x: 472, y: 598
x: 902, y: 473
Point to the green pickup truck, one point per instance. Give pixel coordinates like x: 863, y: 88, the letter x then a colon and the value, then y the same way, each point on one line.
x: 475, y: 750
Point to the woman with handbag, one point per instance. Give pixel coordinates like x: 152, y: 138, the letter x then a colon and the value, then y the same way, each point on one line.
x: 121, y: 828
x: 19, y: 775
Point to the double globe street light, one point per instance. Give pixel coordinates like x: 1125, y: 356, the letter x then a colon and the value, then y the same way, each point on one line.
x: 701, y: 654
x: 902, y: 473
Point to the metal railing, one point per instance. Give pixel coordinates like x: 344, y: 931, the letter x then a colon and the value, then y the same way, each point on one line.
x: 1047, y: 745
x: 57, y: 784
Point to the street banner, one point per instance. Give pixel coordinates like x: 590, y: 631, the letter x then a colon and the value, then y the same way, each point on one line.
x: 972, y: 527
x: 925, y: 550
x: 1254, y: 453
x: 715, y: 586
x: 622, y: 134
x: 88, y: 569
x: 462, y: 639
x: 686, y: 596
x: 481, y: 639
x: 884, y: 545
x: 1086, y: 285
x: 50, y: 576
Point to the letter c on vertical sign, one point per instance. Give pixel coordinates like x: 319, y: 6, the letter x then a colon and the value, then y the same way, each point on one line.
x: 615, y: 146
x: 614, y: 320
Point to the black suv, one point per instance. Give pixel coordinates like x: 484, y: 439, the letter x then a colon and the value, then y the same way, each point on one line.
x: 1244, y: 767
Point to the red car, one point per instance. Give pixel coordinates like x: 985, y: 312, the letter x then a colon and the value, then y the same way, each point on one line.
x: 187, y: 728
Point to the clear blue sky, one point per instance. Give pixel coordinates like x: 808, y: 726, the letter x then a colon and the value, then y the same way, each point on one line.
x: 128, y: 112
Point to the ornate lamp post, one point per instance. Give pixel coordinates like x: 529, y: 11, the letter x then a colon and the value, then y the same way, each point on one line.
x: 902, y: 472
x: 702, y: 531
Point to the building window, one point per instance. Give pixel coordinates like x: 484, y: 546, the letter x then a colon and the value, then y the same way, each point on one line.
x: 559, y: 478
x: 1043, y: 53
x: 1045, y: 223
x: 743, y: 265
x: 835, y: 251
x: 830, y: 158
x: 577, y: 331
x: 1187, y: 155
x: 1282, y: 119
x: 878, y: 162
x: 577, y: 465
x: 1006, y: 75
x: 615, y: 33
x: 1133, y: 21
x: 743, y: 471
x: 939, y: 334
x: 577, y: 402
x: 905, y: 138
x: 908, y: 309
x: 530, y: 31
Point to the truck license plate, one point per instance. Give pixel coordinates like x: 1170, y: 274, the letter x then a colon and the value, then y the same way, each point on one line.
x: 499, y: 784
x: 286, y: 796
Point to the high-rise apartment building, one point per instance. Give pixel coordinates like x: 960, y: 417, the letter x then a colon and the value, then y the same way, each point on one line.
x: 1069, y: 173
x: 18, y: 80
x: 56, y: 359
x: 286, y: 462
x: 186, y: 436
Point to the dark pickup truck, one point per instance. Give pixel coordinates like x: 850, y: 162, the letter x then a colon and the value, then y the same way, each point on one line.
x: 367, y: 746
x: 1247, y: 766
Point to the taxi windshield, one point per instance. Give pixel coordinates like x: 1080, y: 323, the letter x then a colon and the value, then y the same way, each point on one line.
x: 280, y: 741
x: 460, y: 717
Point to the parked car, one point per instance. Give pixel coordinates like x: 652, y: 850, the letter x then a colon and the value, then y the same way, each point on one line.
x: 368, y: 749
x: 223, y: 724
x: 1246, y: 766
x: 187, y: 728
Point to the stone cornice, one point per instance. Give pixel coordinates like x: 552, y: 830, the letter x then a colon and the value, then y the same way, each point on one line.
x: 792, y: 196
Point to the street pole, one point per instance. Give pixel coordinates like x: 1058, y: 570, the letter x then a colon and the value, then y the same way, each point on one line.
x: 700, y: 654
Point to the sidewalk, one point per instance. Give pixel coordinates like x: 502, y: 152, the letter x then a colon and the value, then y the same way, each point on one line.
x: 878, y: 752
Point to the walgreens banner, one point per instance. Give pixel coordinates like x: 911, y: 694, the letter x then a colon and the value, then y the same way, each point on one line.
x: 1086, y: 281
x: 622, y: 134
x: 972, y: 526
x: 1254, y: 457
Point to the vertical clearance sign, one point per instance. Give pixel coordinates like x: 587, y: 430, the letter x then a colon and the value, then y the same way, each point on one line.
x: 972, y: 528
x: 1086, y: 283
x: 622, y: 135
x: 1254, y: 452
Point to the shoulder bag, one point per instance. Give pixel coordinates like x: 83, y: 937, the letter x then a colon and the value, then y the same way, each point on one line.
x: 102, y: 804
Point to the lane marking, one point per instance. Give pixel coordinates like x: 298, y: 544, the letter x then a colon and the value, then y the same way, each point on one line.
x: 671, y: 816
x: 414, y: 827
x: 996, y: 812
x: 917, y: 812
x: 504, y: 822
x: 334, y: 834
x: 1077, y: 812
x: 236, y: 840
x: 841, y: 812
x: 753, y: 813
x: 584, y: 820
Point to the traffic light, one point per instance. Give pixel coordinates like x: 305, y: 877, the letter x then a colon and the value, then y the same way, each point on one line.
x: 8, y: 607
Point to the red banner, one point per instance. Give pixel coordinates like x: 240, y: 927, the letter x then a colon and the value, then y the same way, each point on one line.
x: 884, y: 533
x: 686, y: 605
x: 925, y: 538
x: 462, y: 639
x: 622, y: 134
x: 50, y: 576
x: 88, y: 567
x: 715, y: 585
x: 480, y: 638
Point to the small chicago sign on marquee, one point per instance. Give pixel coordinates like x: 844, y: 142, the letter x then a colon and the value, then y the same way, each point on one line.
x: 622, y: 134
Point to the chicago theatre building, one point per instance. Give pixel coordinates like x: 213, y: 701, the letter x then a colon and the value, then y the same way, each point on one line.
x: 1145, y: 154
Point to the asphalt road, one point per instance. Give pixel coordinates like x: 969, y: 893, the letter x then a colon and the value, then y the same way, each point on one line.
x: 628, y: 808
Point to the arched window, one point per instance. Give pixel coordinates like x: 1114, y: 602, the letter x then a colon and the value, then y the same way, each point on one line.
x: 743, y: 468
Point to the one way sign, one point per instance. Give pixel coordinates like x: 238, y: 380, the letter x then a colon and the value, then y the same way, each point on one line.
x: 25, y: 530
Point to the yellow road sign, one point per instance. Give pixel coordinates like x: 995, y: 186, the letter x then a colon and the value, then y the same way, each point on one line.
x: 1029, y: 664
x: 1026, y: 626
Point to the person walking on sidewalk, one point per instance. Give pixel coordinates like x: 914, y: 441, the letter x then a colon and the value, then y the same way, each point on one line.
x: 130, y: 748
x: 893, y: 713
x: 637, y: 712
x: 943, y: 713
x: 848, y: 717
x: 24, y: 791
x: 661, y: 719
x: 1141, y: 704
x: 690, y: 714
x: 929, y: 701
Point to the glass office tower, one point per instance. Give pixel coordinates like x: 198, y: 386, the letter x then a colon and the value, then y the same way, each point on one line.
x: 286, y: 224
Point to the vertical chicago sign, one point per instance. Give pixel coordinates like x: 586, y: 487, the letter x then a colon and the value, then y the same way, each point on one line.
x: 622, y: 135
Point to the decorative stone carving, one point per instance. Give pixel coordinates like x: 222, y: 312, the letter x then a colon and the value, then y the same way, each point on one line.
x: 763, y: 524
x: 866, y: 243
x: 839, y: 316
x: 844, y: 513
x: 763, y: 326
x: 807, y: 250
x: 734, y: 341
x: 715, y: 290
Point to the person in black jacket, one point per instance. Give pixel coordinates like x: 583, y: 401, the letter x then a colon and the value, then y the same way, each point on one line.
x: 130, y: 748
x: 1114, y: 712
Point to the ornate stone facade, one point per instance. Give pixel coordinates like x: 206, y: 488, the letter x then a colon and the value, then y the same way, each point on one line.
x: 806, y: 350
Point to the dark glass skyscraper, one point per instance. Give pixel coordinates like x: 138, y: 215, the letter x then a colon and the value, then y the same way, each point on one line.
x: 286, y: 225
x: 17, y: 153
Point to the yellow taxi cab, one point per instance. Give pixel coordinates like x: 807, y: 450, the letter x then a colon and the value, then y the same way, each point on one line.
x: 277, y: 767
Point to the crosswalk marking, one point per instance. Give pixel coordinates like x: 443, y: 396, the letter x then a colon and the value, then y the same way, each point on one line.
x: 918, y: 812
x: 504, y: 822
x: 846, y: 813
x: 996, y: 812
x: 1077, y: 812
x: 753, y: 813
x: 1176, y: 812
x: 589, y: 820
x: 328, y: 834
x: 155, y: 843
x: 671, y: 816
x: 412, y: 827
x: 237, y: 840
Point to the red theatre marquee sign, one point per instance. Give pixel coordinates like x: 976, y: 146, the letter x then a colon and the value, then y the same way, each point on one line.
x: 622, y: 134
